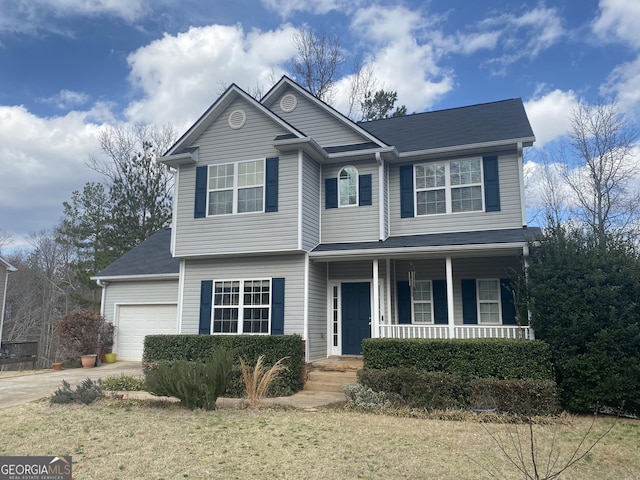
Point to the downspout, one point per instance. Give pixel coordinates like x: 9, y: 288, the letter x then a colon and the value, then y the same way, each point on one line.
x: 4, y: 299
x: 102, y: 285
x: 523, y: 205
x: 381, y: 230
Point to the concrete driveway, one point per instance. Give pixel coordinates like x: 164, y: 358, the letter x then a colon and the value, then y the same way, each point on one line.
x: 27, y: 388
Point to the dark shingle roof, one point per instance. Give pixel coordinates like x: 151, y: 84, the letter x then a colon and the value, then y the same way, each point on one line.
x: 514, y: 235
x: 151, y: 257
x: 487, y: 122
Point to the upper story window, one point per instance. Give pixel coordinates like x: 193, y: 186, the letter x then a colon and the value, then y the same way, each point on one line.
x: 449, y: 187
x: 348, y: 186
x: 236, y: 188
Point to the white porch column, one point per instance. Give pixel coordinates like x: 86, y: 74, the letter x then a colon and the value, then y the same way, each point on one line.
x: 375, y: 315
x: 450, y: 319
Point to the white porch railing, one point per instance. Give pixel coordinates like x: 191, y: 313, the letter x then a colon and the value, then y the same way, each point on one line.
x: 460, y: 331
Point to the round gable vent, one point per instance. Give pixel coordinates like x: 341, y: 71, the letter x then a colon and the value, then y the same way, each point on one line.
x: 288, y: 103
x: 237, y: 118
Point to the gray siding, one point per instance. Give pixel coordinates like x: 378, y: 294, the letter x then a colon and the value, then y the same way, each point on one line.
x: 355, y: 223
x: 139, y: 292
x: 509, y: 216
x: 316, y: 122
x: 239, y: 233
x: 310, y: 204
x: 317, y: 310
x: 290, y: 267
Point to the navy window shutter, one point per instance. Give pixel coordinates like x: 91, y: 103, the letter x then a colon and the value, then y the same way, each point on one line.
x: 271, y: 185
x: 364, y: 190
x: 200, y: 204
x: 406, y: 191
x: 440, y: 315
x: 206, y: 304
x: 277, y: 306
x: 404, y: 303
x: 331, y: 192
x: 508, y: 305
x: 491, y: 184
x: 469, y: 303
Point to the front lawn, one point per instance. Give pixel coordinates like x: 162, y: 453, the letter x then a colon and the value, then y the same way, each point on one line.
x: 114, y: 439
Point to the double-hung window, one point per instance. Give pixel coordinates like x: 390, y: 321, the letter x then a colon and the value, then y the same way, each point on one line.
x: 348, y: 186
x: 236, y: 187
x: 488, y: 301
x: 241, y: 306
x: 449, y: 187
x: 422, y: 302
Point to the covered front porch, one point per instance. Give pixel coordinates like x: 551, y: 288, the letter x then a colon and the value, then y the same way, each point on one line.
x: 455, y: 292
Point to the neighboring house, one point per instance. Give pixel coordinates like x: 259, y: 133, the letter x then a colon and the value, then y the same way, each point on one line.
x: 290, y: 218
x: 5, y: 269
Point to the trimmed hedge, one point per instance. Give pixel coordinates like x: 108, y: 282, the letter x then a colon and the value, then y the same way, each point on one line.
x: 201, y: 347
x: 438, y: 391
x: 473, y: 358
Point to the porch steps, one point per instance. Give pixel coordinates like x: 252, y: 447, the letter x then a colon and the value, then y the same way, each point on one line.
x: 333, y: 373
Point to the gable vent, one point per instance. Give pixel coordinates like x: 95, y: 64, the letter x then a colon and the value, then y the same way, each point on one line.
x: 237, y: 118
x: 288, y: 103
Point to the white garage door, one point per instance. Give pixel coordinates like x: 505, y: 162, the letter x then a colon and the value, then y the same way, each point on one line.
x: 137, y: 321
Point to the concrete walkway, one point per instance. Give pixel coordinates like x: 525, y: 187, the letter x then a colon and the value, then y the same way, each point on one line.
x: 16, y: 390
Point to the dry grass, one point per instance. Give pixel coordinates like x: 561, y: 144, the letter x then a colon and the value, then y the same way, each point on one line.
x: 258, y: 379
x: 123, y: 440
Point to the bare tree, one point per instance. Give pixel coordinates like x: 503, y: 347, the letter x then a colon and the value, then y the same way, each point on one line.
x: 362, y: 81
x: 603, y: 139
x: 5, y: 238
x: 318, y: 61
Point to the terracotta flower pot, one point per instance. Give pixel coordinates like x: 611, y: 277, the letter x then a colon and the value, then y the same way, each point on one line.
x: 57, y: 365
x: 88, y: 361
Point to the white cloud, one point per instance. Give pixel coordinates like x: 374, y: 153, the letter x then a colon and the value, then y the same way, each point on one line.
x: 623, y: 83
x: 33, y: 16
x: 203, y: 61
x: 286, y: 8
x: 549, y: 115
x: 619, y: 19
x: 67, y: 99
x: 402, y: 57
x: 42, y: 162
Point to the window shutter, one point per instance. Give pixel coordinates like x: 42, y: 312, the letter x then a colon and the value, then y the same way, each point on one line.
x: 406, y: 191
x: 206, y: 304
x: 277, y: 306
x: 440, y: 315
x: 491, y: 184
x: 404, y: 303
x: 200, y: 204
x: 508, y: 305
x: 331, y: 192
x: 364, y: 190
x: 469, y: 303
x: 271, y: 185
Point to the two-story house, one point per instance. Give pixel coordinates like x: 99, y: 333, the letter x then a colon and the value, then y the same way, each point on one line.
x: 290, y: 218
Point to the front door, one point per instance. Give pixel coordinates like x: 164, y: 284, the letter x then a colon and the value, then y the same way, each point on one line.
x: 356, y: 316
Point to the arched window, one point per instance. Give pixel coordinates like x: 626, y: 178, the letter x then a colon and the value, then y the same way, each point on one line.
x: 348, y: 186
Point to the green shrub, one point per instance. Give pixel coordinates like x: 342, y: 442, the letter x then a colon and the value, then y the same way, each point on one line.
x: 86, y: 392
x: 195, y: 384
x: 123, y: 382
x: 418, y: 388
x: 522, y: 397
x: 250, y: 347
x: 484, y: 358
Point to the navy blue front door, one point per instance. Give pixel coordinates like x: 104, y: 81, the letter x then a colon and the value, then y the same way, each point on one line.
x: 356, y: 316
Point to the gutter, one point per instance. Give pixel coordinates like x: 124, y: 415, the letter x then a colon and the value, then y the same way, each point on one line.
x: 526, y: 142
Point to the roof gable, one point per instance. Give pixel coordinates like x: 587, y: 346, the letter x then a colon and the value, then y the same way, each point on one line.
x: 216, y: 109
x: 485, y: 123
x: 327, y: 126
x: 7, y: 265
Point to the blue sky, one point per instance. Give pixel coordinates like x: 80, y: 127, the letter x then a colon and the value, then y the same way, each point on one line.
x: 68, y: 68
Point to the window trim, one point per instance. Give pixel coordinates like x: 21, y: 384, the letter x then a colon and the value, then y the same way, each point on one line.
x: 498, y: 301
x: 356, y: 176
x: 448, y: 187
x: 430, y: 302
x: 236, y: 188
x: 241, y: 306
